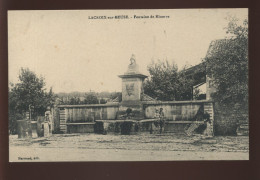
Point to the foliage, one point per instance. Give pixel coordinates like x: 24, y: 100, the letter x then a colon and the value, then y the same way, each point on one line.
x: 103, y: 101
x: 73, y: 98
x: 167, y: 83
x: 30, y: 91
x: 91, y: 98
x: 227, y: 64
x: 74, y: 101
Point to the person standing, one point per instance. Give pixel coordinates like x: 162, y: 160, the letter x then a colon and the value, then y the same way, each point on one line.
x: 208, y: 131
x: 161, y: 121
x: 155, y: 123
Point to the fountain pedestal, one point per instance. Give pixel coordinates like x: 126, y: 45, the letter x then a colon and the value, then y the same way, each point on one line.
x: 132, y: 90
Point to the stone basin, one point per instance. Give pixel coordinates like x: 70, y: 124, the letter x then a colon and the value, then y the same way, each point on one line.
x: 125, y: 127
x: 128, y: 126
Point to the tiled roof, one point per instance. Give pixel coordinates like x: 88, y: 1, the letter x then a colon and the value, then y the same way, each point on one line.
x: 114, y: 100
x: 145, y: 97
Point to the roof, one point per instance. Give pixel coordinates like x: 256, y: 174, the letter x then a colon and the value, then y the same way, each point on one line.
x: 133, y: 76
x: 145, y: 97
x: 195, y: 69
x: 114, y: 100
x: 199, y: 71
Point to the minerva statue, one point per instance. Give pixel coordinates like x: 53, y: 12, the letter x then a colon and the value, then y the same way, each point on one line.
x: 132, y: 67
x: 132, y: 60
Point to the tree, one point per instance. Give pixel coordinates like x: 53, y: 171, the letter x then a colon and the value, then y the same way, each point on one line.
x: 227, y: 64
x: 91, y: 98
x: 103, y: 101
x: 167, y: 83
x: 74, y: 101
x: 30, y: 91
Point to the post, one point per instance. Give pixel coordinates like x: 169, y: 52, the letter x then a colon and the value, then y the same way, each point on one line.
x: 29, y: 121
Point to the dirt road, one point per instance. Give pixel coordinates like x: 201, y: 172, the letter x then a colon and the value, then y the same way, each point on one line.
x: 146, y: 147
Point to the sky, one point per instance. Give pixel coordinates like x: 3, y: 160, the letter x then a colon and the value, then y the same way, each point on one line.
x: 75, y: 52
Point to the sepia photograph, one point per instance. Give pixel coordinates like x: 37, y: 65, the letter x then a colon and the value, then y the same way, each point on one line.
x: 128, y: 85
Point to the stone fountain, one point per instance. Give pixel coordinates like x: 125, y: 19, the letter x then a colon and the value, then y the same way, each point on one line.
x: 131, y: 112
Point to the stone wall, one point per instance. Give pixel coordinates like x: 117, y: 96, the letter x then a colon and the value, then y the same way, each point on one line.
x: 88, y: 113
x: 85, y: 114
x: 81, y: 128
x: 228, y: 119
x: 173, y: 111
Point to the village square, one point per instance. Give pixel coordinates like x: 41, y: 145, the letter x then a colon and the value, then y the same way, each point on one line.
x: 127, y: 130
x: 199, y: 112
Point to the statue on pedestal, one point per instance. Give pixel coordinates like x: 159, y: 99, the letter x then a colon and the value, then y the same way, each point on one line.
x: 132, y: 67
x: 132, y: 60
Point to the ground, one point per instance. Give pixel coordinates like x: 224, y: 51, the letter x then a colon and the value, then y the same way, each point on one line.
x: 144, y: 147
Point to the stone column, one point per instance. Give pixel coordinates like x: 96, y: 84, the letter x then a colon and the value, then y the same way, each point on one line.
x: 209, y: 108
x: 209, y: 87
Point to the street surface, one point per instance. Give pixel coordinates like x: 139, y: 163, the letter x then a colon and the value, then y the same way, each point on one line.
x: 142, y: 147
